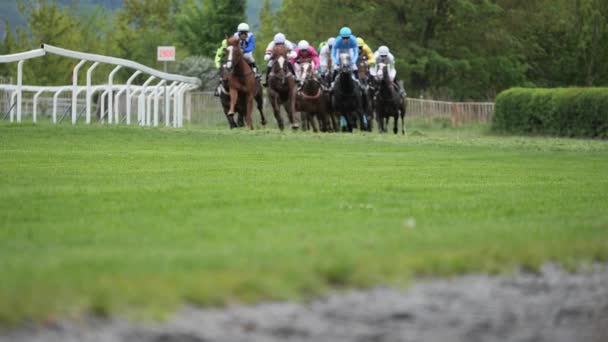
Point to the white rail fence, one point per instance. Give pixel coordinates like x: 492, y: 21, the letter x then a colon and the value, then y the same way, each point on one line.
x: 162, y: 99
x: 159, y: 99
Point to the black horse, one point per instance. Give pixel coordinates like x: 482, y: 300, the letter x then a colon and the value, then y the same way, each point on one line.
x: 241, y: 108
x: 347, y: 95
x: 388, y: 101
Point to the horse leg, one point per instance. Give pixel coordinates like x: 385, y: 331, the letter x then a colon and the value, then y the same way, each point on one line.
x: 315, y: 122
x: 249, y: 110
x: 276, y: 109
x: 259, y: 99
x: 233, y: 98
x: 292, y: 106
x: 231, y: 122
x: 395, y: 122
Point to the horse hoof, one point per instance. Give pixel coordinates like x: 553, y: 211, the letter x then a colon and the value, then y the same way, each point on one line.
x: 295, y: 126
x: 263, y: 122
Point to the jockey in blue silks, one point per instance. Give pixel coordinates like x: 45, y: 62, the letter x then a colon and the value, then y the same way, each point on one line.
x: 345, y: 42
x: 247, y: 43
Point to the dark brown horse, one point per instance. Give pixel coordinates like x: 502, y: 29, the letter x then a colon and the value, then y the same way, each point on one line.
x: 241, y: 105
x: 311, y: 100
x: 388, y: 101
x: 366, y: 98
x: 241, y: 80
x: 282, y: 86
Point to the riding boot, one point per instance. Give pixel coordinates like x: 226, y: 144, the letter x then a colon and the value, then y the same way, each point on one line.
x: 265, y: 84
x: 255, y: 69
x: 399, y: 88
x: 217, y: 89
x: 293, y: 72
x: 333, y: 79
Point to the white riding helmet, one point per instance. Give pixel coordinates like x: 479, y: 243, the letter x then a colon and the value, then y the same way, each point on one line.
x: 243, y: 27
x: 279, y: 38
x: 303, y: 45
x: 383, y: 51
x: 331, y: 41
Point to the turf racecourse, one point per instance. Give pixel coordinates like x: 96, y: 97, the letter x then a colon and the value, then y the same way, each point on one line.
x: 138, y: 221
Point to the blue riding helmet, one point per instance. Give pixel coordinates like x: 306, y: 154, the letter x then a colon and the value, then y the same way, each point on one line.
x: 345, y: 32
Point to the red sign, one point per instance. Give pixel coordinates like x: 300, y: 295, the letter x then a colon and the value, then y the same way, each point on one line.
x: 166, y: 53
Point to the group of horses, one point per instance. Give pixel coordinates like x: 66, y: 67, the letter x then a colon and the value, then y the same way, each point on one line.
x: 352, y: 104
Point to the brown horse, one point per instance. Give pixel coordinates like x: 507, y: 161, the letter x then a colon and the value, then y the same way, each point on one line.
x: 311, y: 100
x: 241, y: 105
x: 366, y: 85
x: 282, y: 86
x: 241, y: 80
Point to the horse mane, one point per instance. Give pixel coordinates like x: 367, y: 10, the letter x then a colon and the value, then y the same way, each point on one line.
x: 232, y: 41
x: 280, y: 50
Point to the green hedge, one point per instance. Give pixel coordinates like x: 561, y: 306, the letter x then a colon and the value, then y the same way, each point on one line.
x: 572, y: 112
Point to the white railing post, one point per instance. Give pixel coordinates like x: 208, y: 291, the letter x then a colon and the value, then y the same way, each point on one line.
x: 102, y: 98
x: 12, y: 104
x: 149, y: 107
x: 75, y: 89
x: 111, y: 95
x: 168, y: 91
x: 19, y: 89
x: 89, y: 91
x: 128, y: 93
x: 55, y: 98
x: 141, y: 112
x: 156, y: 96
x: 35, y: 104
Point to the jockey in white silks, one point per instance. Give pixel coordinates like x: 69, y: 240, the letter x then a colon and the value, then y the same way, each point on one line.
x: 279, y: 38
x: 247, y: 43
x: 384, y: 56
x: 325, y: 58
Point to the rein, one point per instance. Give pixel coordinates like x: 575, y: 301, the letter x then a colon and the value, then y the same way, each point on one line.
x: 313, y: 97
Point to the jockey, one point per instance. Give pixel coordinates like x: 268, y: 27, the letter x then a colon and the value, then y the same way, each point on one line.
x: 219, y: 54
x: 345, y: 42
x: 364, y: 50
x: 383, y: 55
x: 325, y: 57
x: 279, y: 38
x: 219, y: 57
x: 247, y: 43
x: 305, y: 51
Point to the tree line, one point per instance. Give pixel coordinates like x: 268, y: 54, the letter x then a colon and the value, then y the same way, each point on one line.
x: 446, y: 49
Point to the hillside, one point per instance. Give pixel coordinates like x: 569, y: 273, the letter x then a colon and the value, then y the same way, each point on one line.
x: 9, y: 11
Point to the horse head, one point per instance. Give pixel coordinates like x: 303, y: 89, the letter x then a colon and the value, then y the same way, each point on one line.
x: 233, y: 54
x: 345, y: 62
x: 363, y: 69
x: 306, y: 71
x: 382, y: 72
x: 279, y: 67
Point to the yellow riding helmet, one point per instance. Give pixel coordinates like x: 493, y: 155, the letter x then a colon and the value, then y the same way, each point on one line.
x: 360, y: 42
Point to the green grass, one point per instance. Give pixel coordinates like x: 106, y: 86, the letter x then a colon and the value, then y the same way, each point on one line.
x: 138, y: 221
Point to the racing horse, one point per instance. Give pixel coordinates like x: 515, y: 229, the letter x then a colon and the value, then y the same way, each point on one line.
x: 366, y: 95
x: 311, y: 100
x: 347, y: 93
x: 282, y: 87
x: 241, y: 82
x: 388, y: 101
x: 241, y: 107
